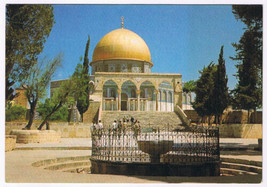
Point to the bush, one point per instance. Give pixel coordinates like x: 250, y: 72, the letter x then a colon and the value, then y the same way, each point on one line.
x: 45, y: 108
x: 60, y: 115
x: 15, y: 112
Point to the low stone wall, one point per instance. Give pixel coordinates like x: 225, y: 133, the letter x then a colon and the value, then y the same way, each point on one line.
x: 241, y: 131
x: 36, y: 136
x: 160, y: 169
x: 230, y: 116
x: 67, y: 130
x: 10, y: 142
x: 82, y: 130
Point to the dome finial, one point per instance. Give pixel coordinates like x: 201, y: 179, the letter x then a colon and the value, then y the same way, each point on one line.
x: 122, y: 18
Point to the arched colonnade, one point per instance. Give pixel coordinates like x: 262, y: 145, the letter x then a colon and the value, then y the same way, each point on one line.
x: 145, y: 95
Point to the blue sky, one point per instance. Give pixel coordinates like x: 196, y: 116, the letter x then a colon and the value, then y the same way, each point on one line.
x: 181, y: 38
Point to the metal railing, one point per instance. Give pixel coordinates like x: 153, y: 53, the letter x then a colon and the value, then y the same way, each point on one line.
x: 124, y: 145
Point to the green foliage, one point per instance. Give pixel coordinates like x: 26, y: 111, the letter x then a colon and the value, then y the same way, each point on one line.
x: 45, y: 108
x: 37, y: 81
x: 189, y: 86
x: 220, y: 93
x: 62, y: 97
x: 204, y: 90
x: 248, y: 92
x: 15, y: 112
x: 80, y: 80
x: 81, y: 77
x: 251, y: 15
x: 27, y: 27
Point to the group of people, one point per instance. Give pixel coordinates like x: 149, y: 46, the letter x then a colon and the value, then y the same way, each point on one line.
x: 125, y: 123
x: 118, y: 126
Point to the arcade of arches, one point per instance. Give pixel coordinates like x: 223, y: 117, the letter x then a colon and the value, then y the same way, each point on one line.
x: 146, y: 92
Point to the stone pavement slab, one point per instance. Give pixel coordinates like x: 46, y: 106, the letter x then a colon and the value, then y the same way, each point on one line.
x: 238, y: 143
x: 18, y: 168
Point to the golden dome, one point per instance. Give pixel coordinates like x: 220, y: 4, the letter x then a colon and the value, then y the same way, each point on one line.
x: 122, y: 44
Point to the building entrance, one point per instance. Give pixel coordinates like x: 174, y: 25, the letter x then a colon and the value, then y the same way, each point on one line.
x: 124, y: 101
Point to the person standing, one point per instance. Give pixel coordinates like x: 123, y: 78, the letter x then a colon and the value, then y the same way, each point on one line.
x: 115, y: 125
x: 100, y: 125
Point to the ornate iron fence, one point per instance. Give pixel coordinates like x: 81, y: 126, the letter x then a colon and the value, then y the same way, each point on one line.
x: 145, y: 145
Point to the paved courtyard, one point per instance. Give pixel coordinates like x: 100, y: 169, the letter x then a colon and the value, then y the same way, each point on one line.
x: 19, y: 169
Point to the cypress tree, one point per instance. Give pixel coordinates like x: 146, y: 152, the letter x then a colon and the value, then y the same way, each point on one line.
x: 220, y: 92
x: 204, y: 90
x: 248, y: 92
x: 83, y: 98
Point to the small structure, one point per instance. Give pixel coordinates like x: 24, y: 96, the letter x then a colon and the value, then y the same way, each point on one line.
x: 36, y: 136
x: 165, y: 152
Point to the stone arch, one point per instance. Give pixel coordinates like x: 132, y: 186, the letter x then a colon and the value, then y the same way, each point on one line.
x: 147, y: 80
x: 165, y: 83
x: 110, y: 88
x: 129, y: 80
x: 131, y: 88
x: 114, y: 80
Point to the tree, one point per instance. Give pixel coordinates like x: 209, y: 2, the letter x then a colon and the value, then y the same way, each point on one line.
x: 37, y: 82
x: 248, y: 92
x: 27, y: 27
x: 82, y: 80
x: 60, y: 97
x: 220, y: 93
x: 189, y: 86
x: 204, y: 90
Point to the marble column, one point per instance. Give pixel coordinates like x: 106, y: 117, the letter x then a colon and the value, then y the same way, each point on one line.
x: 172, y: 101
x: 119, y: 99
x: 161, y: 93
x: 157, y: 100
x: 167, y: 99
x: 138, y: 99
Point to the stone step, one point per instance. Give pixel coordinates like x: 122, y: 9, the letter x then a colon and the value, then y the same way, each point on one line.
x: 146, y: 118
x: 70, y: 164
x: 49, y: 162
x: 244, y: 167
x: 78, y: 170
x: 242, y: 161
x: 234, y: 172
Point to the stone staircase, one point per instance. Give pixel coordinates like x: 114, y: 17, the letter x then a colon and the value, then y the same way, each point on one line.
x: 82, y: 164
x: 149, y: 118
x: 76, y: 164
x: 235, y: 167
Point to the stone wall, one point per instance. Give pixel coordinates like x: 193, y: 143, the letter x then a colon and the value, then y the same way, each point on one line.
x: 241, y: 131
x: 80, y: 130
x: 91, y: 115
x: 36, y: 136
x: 67, y: 130
x: 232, y: 116
x: 10, y: 142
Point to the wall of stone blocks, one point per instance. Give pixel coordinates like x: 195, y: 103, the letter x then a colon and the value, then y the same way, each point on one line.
x: 229, y: 117
x: 91, y: 115
x: 67, y: 130
x: 80, y: 130
x: 10, y: 142
x: 241, y: 131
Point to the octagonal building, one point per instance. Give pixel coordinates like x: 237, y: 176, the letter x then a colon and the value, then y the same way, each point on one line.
x: 124, y: 86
